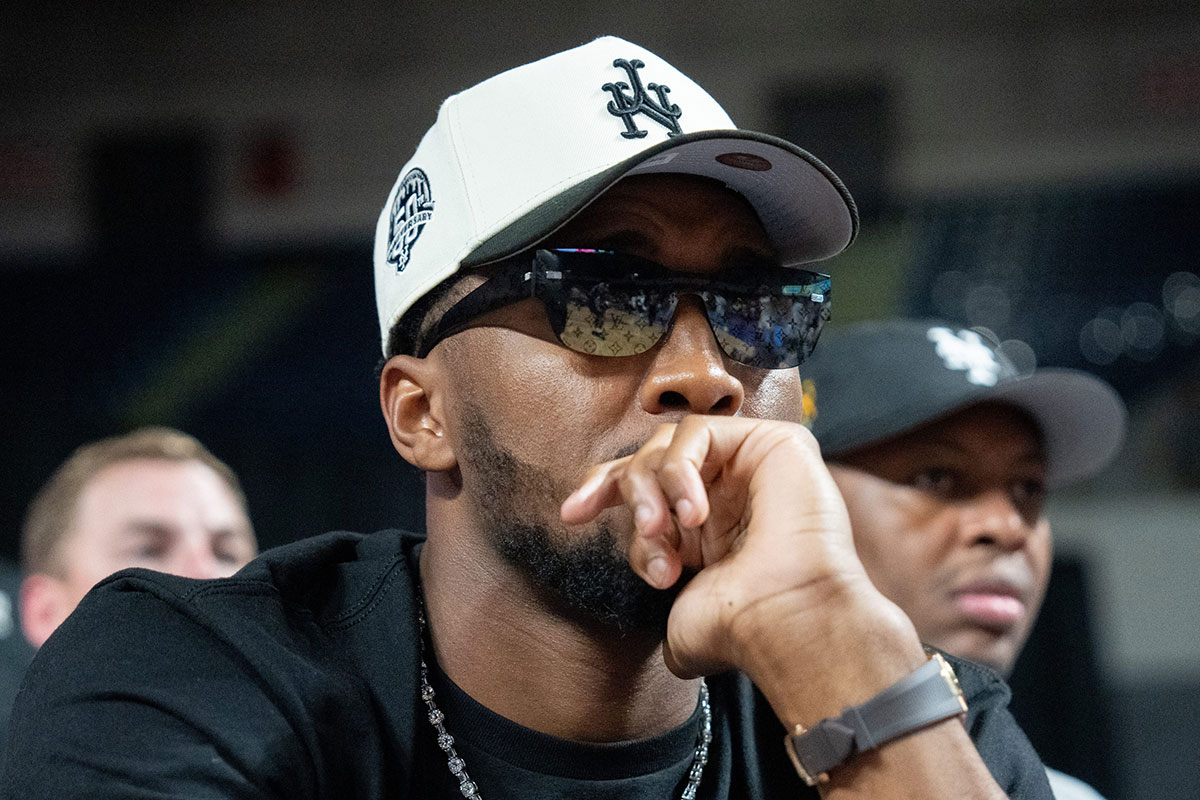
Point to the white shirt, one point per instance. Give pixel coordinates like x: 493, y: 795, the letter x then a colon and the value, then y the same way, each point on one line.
x: 1067, y: 788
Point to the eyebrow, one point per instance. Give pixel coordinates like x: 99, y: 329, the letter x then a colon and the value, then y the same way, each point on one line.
x: 147, y: 526
x: 744, y: 256
x: 1034, y: 453
x: 625, y: 240
x: 153, y: 528
x: 223, y: 535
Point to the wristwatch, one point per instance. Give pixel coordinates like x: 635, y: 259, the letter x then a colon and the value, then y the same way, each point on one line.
x: 929, y: 694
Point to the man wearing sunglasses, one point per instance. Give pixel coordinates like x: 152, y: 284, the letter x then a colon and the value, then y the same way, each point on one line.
x: 638, y: 578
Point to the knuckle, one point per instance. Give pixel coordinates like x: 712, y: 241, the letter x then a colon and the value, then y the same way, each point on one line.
x: 595, y: 472
x: 673, y: 470
x: 802, y: 436
x: 795, y: 436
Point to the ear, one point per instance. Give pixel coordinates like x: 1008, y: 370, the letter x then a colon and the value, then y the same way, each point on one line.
x: 44, y: 604
x: 411, y: 396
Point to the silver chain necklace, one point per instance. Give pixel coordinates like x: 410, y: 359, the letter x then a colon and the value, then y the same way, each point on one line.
x: 458, y: 767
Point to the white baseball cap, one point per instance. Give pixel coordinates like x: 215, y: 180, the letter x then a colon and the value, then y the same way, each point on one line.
x: 513, y: 158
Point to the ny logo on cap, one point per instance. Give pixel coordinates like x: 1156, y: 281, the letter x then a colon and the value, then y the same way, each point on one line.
x: 625, y: 106
x: 967, y: 351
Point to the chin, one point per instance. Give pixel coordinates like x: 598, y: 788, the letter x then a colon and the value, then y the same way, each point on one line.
x: 996, y: 653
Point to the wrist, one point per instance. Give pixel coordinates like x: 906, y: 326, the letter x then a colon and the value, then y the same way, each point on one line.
x: 924, y: 697
x: 816, y: 651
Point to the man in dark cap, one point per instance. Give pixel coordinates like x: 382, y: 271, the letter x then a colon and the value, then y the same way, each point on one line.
x: 945, y: 453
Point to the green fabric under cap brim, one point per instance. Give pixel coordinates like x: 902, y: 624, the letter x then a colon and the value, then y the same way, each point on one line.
x: 812, y: 217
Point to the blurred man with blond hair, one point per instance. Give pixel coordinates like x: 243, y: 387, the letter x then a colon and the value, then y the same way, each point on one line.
x: 154, y: 498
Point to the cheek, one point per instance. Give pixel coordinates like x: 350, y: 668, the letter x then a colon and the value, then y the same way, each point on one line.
x: 895, y: 539
x: 92, y: 567
x: 1041, y: 552
x: 772, y: 394
x: 538, y: 396
x: 97, y: 556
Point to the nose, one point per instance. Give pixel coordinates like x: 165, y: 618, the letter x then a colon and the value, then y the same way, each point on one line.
x: 688, y: 368
x: 992, y: 519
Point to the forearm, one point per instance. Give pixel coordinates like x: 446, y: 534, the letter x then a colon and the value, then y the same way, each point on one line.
x: 854, y: 644
x: 938, y: 761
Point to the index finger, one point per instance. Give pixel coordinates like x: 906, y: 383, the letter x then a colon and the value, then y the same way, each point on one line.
x: 598, y: 492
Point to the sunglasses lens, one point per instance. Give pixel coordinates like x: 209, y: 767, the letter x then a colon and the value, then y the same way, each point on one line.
x: 593, y: 312
x: 610, y: 319
x: 764, y: 329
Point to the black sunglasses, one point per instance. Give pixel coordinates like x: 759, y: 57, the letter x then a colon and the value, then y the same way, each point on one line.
x: 610, y: 304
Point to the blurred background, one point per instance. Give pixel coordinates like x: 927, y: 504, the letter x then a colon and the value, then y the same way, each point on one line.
x: 188, y: 194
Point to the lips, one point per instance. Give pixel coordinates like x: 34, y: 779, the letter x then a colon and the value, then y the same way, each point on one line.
x: 998, y: 605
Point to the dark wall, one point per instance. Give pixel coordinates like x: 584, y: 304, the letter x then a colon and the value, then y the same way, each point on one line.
x: 268, y: 358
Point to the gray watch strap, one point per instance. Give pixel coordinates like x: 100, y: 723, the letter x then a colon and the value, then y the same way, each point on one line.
x: 927, y: 695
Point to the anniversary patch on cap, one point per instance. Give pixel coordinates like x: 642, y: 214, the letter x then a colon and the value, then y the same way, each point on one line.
x: 412, y: 208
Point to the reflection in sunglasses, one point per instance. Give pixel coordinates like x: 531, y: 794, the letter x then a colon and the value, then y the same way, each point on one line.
x: 616, y: 332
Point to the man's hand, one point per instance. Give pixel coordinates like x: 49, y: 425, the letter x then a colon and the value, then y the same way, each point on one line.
x: 750, y: 507
x: 779, y: 591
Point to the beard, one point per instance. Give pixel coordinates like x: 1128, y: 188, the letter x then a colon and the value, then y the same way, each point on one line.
x: 582, y: 575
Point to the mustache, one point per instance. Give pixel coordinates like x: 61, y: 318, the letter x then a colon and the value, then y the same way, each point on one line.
x: 627, y: 450
x: 634, y: 445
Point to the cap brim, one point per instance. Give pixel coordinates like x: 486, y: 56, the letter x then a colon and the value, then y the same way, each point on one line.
x: 1082, y: 420
x: 806, y: 210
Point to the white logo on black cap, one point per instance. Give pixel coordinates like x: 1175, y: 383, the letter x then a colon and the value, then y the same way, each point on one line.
x: 966, y: 351
x: 412, y: 208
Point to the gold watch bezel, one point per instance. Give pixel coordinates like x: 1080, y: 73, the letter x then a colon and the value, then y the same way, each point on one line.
x: 805, y: 775
x: 951, y: 678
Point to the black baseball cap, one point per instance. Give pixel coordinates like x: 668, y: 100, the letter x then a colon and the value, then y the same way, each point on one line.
x: 874, y: 381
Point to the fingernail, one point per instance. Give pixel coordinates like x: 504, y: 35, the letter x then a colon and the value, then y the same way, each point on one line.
x: 643, y: 515
x: 657, y: 570
x: 684, y: 509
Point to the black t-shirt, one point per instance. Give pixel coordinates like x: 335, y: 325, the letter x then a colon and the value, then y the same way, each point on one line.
x: 298, y: 678
x: 15, y: 652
